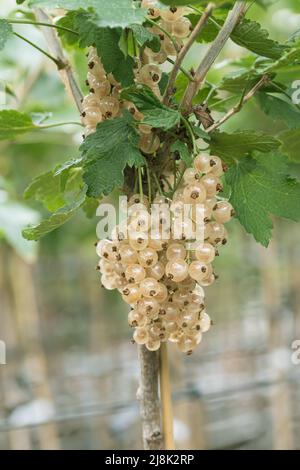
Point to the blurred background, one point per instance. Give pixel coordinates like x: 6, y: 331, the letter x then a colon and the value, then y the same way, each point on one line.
x: 71, y: 375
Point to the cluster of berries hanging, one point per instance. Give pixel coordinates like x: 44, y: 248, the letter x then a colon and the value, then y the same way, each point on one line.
x: 150, y: 262
x: 150, y: 258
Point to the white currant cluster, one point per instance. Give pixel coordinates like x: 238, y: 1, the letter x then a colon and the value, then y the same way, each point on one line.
x: 103, y: 100
x: 149, y: 259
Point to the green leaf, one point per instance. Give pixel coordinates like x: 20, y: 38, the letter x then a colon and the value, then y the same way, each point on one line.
x: 289, y: 59
x: 113, y: 14
x: 57, y: 219
x: 239, y: 80
x: 291, y: 144
x: 51, y: 188
x: 163, y: 82
x: 67, y: 21
x: 261, y: 188
x: 13, y: 218
x: 46, y: 189
x: 5, y: 32
x: 200, y: 133
x: 144, y: 37
x: 183, y: 151
x: 13, y: 123
x: 106, y: 41
x: 279, y: 109
x: 234, y: 147
x: 90, y: 207
x: 249, y: 34
x: 107, y: 152
x: 155, y: 113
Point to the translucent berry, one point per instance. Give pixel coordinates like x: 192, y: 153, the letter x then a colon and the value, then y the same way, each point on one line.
x: 205, y: 253
x: 176, y: 251
x: 223, y: 212
x: 135, y: 273
x: 140, y: 335
x: 177, y: 270
x: 149, y: 287
x: 131, y: 293
x: 202, y: 163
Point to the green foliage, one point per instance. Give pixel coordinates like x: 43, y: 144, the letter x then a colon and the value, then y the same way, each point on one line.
x: 106, y: 41
x: 57, y: 219
x: 249, y: 34
x: 107, y: 13
x: 155, y: 113
x: 144, y: 37
x: 183, y: 151
x: 291, y: 144
x: 13, y: 218
x: 52, y: 188
x: 279, y: 109
x: 234, y: 147
x: 13, y: 123
x: 260, y: 188
x: 107, y: 152
x: 5, y: 32
x: 200, y: 133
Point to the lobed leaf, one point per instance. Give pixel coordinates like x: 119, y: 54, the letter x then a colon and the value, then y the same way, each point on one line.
x: 155, y: 113
x: 107, y: 152
x: 234, y: 147
x: 261, y: 188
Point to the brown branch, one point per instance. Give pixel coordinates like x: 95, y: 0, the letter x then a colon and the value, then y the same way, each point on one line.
x: 149, y: 399
x: 217, y: 45
x: 195, y: 33
x: 235, y: 109
x: 65, y: 70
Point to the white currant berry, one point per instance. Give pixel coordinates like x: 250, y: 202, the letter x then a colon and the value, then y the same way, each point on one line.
x: 176, y: 251
x: 135, y: 273
x: 205, y: 253
x: 177, y: 270
x: 223, y: 212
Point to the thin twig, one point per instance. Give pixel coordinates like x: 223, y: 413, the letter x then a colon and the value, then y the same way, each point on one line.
x: 65, y: 70
x: 217, y: 45
x: 181, y: 55
x: 235, y: 109
x: 182, y: 69
x: 43, y: 23
x: 45, y: 53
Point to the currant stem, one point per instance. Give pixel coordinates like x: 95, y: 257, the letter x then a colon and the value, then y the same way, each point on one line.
x: 158, y: 184
x: 190, y: 131
x: 59, y: 124
x: 182, y: 69
x: 141, y: 184
x: 57, y: 62
x: 41, y: 23
x: 185, y: 49
x: 149, y: 183
x: 166, y: 400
